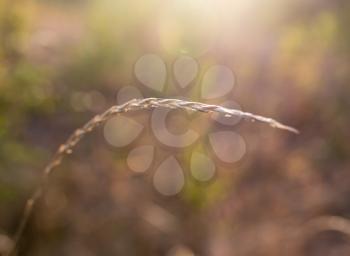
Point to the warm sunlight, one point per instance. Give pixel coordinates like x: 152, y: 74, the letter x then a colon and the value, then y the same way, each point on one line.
x: 174, y: 128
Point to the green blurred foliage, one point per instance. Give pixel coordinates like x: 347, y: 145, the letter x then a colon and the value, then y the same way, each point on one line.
x: 21, y: 88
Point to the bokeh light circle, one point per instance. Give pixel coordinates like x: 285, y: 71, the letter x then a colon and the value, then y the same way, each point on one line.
x: 121, y: 131
x: 169, y: 177
x: 150, y: 70
x: 185, y: 70
x: 218, y: 81
x: 228, y: 146
x: 202, y: 167
x: 140, y: 159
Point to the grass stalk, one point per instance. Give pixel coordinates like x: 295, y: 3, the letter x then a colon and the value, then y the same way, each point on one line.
x: 130, y: 106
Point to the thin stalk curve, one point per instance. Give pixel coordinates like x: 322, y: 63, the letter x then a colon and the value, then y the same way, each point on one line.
x: 130, y: 106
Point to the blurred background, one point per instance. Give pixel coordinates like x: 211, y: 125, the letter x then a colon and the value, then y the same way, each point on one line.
x: 62, y: 62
